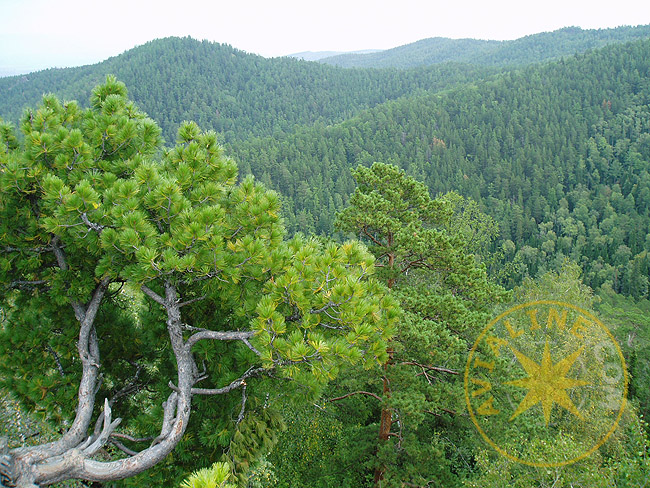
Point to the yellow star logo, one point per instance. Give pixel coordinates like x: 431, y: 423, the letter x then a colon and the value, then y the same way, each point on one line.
x: 547, y: 383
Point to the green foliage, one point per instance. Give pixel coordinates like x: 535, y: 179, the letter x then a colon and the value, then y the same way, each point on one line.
x: 34, y: 334
x: 262, y: 476
x: 230, y: 91
x: 556, y: 155
x: 624, y: 460
x: 216, y: 476
x: 630, y: 321
x: 90, y: 195
x: 477, y: 229
x: 446, y: 296
x: 531, y: 167
x: 313, y: 451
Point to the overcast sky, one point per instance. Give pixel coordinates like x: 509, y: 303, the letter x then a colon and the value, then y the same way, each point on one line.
x: 36, y: 34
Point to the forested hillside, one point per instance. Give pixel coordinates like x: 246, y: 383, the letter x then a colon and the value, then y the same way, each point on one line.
x: 235, y: 93
x: 530, y: 49
x: 424, y: 52
x: 242, y: 95
x: 557, y: 154
x: 473, y: 185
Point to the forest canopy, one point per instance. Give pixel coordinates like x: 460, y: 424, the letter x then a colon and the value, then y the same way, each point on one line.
x: 301, y: 314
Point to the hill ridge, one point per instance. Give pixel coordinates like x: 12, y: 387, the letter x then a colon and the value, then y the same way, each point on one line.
x: 236, y: 93
x: 537, y: 47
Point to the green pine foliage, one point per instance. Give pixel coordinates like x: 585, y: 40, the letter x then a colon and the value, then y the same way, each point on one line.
x: 446, y: 296
x: 89, y: 197
x: 216, y: 476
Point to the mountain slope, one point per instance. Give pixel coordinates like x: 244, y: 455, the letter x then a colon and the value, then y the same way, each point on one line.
x: 558, y: 154
x: 526, y: 50
x: 235, y: 93
x: 421, y: 53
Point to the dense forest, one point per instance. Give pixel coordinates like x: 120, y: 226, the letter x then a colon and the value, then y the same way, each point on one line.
x: 530, y: 49
x: 557, y: 154
x: 478, y: 174
x: 242, y: 95
x: 237, y: 94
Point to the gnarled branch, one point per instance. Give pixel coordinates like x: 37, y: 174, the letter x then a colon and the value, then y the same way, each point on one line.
x: 243, y: 335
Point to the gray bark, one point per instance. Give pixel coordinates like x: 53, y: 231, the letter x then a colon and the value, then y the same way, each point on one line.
x: 70, y: 457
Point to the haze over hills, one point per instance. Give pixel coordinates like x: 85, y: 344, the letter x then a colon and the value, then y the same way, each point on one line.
x: 315, y: 55
x: 530, y: 49
x: 318, y: 55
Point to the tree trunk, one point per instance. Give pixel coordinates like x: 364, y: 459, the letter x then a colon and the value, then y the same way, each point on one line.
x: 386, y: 421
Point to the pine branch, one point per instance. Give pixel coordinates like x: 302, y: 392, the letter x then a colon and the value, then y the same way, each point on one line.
x: 239, y: 382
x: 91, y: 225
x: 122, y: 447
x: 355, y: 393
x: 193, y: 300
x: 36, y: 250
x: 220, y: 336
x: 131, y: 438
x: 153, y: 295
x: 371, y: 237
x: 109, y: 427
x: 169, y: 415
x: 26, y: 284
x: 56, y: 359
x: 430, y: 368
x: 240, y: 417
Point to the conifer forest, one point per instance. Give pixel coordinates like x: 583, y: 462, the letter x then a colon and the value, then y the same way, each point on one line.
x: 224, y: 270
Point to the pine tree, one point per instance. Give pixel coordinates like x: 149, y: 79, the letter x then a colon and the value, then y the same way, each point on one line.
x: 423, y: 249
x: 178, y: 275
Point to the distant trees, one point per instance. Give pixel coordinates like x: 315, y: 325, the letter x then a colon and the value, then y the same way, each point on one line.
x: 534, y: 48
x: 562, y: 174
x: 237, y: 94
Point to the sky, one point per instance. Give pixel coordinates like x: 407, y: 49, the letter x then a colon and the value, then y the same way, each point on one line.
x: 38, y: 34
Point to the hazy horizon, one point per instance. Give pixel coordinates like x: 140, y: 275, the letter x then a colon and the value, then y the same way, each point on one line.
x: 40, y: 34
